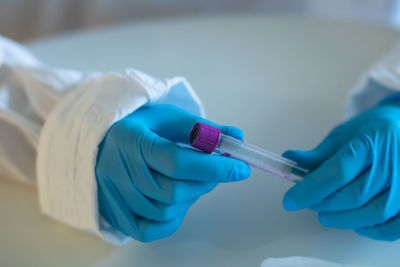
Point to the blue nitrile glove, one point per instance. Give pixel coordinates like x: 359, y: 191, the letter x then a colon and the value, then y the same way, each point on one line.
x: 147, y: 182
x: 355, y: 182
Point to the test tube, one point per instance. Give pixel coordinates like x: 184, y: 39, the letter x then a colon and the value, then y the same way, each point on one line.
x: 210, y: 139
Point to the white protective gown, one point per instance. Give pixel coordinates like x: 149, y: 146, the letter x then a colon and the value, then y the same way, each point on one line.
x: 51, y: 121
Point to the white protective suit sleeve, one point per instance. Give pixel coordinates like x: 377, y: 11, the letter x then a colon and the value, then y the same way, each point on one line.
x: 51, y: 121
x: 381, y: 80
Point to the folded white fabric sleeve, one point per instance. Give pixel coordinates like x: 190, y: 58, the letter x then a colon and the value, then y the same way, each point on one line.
x: 52, y: 120
x: 381, y: 80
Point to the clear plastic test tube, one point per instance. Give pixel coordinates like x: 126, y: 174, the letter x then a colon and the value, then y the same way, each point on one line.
x: 210, y: 139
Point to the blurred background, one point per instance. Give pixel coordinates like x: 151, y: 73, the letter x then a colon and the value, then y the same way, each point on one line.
x: 23, y: 20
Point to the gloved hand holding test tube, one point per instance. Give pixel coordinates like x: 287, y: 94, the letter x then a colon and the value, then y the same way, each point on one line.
x: 209, y: 139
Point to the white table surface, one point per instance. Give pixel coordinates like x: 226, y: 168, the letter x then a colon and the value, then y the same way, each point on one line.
x: 282, y: 80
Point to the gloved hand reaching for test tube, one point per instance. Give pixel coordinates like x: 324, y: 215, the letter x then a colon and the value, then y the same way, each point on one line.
x: 147, y: 182
x: 355, y: 182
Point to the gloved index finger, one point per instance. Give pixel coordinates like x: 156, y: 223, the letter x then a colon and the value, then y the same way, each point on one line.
x: 333, y: 174
x: 175, y: 124
x: 184, y: 163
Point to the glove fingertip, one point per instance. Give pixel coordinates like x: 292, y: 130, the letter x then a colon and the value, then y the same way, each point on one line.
x: 232, y: 131
x: 320, y: 207
x: 371, y: 232
x: 242, y: 172
x: 245, y: 171
x: 289, y: 202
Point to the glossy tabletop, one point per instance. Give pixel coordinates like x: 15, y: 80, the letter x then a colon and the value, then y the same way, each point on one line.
x: 283, y: 80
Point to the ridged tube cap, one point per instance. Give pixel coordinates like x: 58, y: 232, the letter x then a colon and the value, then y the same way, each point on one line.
x: 204, y: 137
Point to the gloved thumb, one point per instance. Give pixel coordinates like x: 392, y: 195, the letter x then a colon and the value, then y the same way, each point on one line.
x: 311, y: 159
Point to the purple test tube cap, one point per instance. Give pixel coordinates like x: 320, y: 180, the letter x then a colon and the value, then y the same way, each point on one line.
x: 204, y: 137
